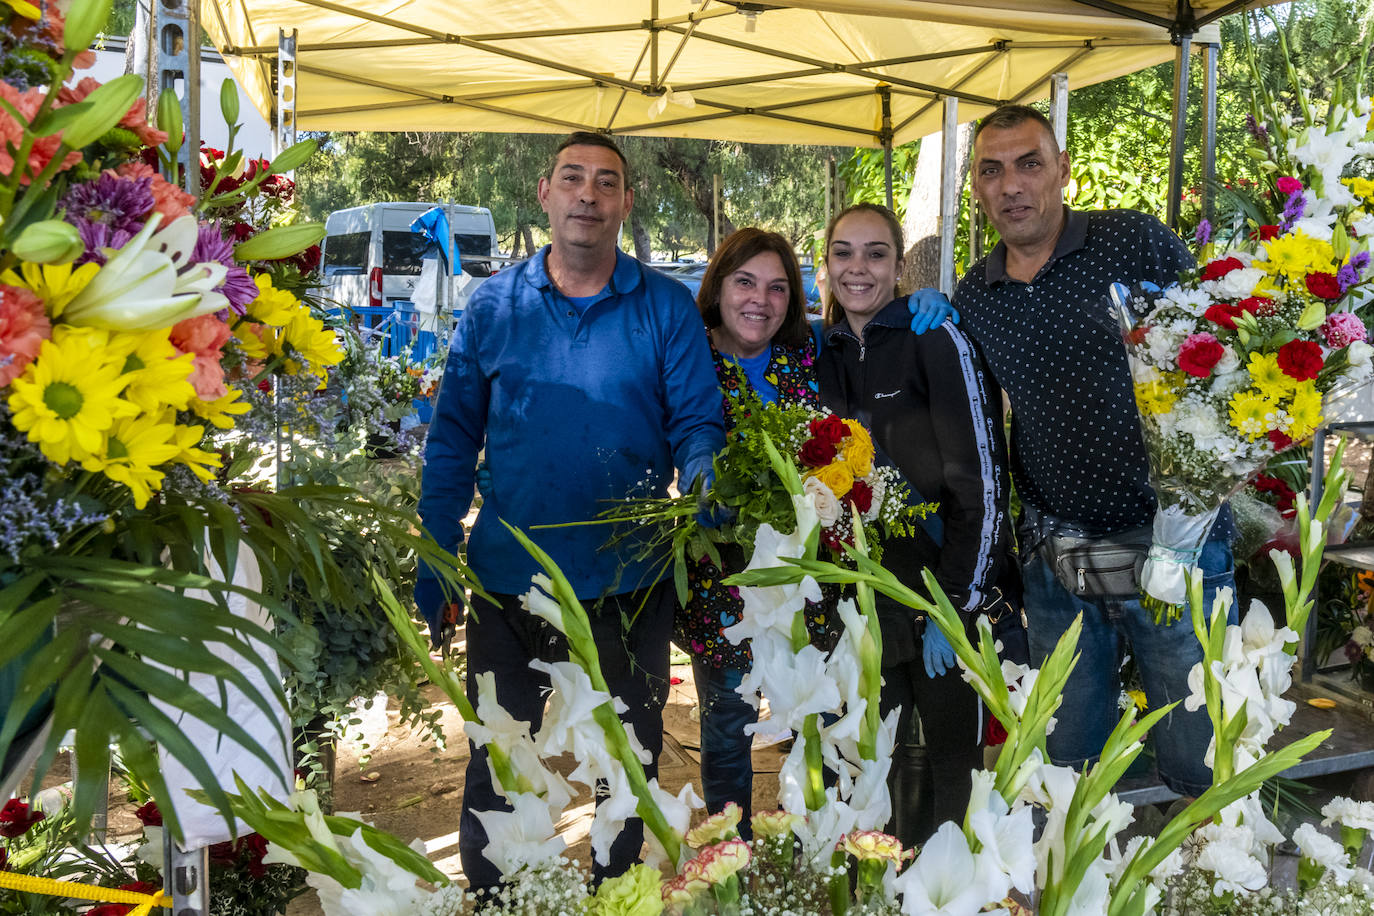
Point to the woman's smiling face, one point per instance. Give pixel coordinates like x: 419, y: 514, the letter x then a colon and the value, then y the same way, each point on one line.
x: 863, y: 262
x: 753, y: 304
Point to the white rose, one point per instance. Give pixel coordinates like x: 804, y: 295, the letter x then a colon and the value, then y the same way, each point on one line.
x: 1359, y: 354
x: 879, y: 488
x: 827, y: 505
x: 1239, y: 284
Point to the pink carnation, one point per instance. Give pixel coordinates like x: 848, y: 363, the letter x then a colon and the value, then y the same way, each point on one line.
x: 23, y: 328
x: 12, y: 134
x: 203, y: 336
x: 169, y: 200
x: 1343, y: 329
x: 1287, y: 185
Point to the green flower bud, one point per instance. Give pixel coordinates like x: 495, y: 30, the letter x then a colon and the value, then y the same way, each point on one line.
x: 50, y: 241
x: 169, y: 119
x: 293, y: 157
x: 280, y: 242
x: 229, y: 102
x: 85, y: 19
x: 108, y: 104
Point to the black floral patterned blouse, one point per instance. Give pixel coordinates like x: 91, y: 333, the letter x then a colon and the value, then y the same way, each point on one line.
x: 712, y: 605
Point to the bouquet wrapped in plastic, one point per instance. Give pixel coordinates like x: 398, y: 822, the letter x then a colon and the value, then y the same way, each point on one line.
x: 1231, y: 366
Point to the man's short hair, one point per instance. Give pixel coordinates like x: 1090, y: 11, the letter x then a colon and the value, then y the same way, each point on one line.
x: 587, y: 138
x: 1013, y: 116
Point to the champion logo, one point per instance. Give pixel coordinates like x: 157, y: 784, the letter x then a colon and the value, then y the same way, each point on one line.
x: 886, y: 394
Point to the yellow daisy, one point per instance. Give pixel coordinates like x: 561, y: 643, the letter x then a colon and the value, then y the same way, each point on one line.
x: 1250, y: 413
x: 1266, y: 375
x: 69, y: 396
x: 158, y: 373
x: 1295, y: 254
x: 188, y: 439
x: 221, y: 411
x: 1305, y: 413
x: 55, y: 284
x: 273, y: 306
x: 1154, y: 398
x: 306, y: 337
x: 134, y: 447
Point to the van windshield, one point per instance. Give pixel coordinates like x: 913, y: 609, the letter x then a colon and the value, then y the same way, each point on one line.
x: 346, y: 253
x: 402, y: 252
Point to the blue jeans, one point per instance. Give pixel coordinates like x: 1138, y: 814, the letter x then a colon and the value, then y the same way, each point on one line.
x: 1165, y: 654
x: 727, y: 763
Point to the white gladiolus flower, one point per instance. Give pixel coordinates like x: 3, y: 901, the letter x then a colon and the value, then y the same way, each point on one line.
x: 1090, y: 899
x: 522, y: 837
x: 512, y: 736
x: 1349, y: 813
x: 1324, y: 851
x: 827, y: 506
x: 1249, y: 812
x: 947, y: 878
x: 539, y: 603
x: 616, y: 803
x: 774, y: 606
x: 1007, y: 837
x: 677, y: 811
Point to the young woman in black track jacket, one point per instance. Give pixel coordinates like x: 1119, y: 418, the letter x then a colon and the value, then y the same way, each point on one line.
x: 936, y: 416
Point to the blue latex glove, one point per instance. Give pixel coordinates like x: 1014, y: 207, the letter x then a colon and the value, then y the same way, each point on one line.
x: 938, y: 653
x: 929, y: 308
x: 483, y: 478
x: 709, y: 514
x: 429, y: 598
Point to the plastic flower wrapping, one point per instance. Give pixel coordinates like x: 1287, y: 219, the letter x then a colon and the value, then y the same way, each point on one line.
x: 1232, y: 365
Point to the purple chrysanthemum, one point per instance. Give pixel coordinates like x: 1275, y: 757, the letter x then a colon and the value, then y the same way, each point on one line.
x: 1203, y: 235
x: 122, y: 204
x: 98, y: 236
x: 237, y: 287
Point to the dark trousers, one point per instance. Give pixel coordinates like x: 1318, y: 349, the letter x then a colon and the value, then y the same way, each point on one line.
x: 727, y: 761
x: 930, y: 784
x: 504, y: 639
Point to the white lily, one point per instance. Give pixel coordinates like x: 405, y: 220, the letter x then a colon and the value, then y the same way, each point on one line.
x: 947, y: 878
x: 150, y: 283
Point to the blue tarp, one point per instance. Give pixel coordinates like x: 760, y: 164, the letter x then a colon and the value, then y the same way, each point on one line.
x: 433, y: 225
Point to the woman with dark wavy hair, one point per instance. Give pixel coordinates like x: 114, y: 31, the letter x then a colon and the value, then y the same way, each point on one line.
x: 754, y: 308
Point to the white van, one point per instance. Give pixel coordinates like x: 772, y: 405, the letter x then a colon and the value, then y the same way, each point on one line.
x: 371, y: 258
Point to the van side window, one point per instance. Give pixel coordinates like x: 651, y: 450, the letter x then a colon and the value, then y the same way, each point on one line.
x: 469, y: 246
x: 401, y: 252
x: 346, y: 253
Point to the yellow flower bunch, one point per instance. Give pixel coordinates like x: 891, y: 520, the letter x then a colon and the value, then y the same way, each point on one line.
x: 1293, y: 255
x: 1159, y: 396
x: 278, y: 325
x: 1304, y: 411
x: 858, y: 450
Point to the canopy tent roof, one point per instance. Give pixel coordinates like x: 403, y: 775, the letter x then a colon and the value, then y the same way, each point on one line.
x: 789, y: 71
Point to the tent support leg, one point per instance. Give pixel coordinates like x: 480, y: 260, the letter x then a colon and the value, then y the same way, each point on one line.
x: 949, y: 193
x: 1178, y: 137
x: 188, y: 875
x: 1209, y: 131
x: 176, y: 26
x: 885, y: 96
x: 1059, y: 108
x: 285, y: 133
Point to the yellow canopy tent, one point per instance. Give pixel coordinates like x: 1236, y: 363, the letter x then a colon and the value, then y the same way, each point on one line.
x: 845, y: 72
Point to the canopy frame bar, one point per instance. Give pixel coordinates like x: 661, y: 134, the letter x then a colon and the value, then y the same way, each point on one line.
x: 1035, y: 86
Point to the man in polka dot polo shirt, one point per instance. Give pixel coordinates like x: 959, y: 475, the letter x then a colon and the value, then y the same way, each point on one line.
x: 1038, y: 307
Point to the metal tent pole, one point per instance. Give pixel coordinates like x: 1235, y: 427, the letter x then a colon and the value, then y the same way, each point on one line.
x: 885, y: 96
x: 949, y: 194
x: 1179, y: 124
x: 177, y: 28
x: 187, y: 874
x: 1059, y: 108
x: 1209, y: 130
x: 285, y: 133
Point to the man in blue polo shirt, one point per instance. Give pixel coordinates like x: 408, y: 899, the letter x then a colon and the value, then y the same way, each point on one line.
x: 1038, y: 308
x: 587, y: 378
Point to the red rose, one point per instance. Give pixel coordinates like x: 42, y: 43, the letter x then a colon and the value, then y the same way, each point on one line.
x: 1218, y: 269
x: 16, y: 818
x: 1268, y: 233
x: 993, y: 732
x: 1287, y: 185
x: 119, y: 909
x: 256, y: 847
x: 829, y: 428
x: 149, y: 815
x: 1300, y: 359
x: 816, y: 453
x: 1223, y: 314
x: 861, y: 495
x: 1199, y: 353
x: 1323, y: 286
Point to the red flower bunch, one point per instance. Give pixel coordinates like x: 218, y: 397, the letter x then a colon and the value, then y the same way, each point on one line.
x: 1199, y: 353
x: 119, y: 909
x: 17, y: 817
x: 826, y: 434
x: 1226, y: 313
x: 1300, y: 359
x: 1324, y: 286
x: 1283, y: 495
x: 1218, y: 269
x: 149, y: 815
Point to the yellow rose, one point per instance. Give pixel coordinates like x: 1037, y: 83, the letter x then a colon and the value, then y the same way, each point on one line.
x: 858, y: 451
x: 837, y: 476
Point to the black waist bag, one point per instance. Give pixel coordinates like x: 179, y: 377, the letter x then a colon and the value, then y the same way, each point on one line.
x: 1103, y: 567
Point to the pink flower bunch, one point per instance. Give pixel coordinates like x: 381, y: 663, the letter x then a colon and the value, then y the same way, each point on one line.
x: 24, y: 326
x: 1343, y: 329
